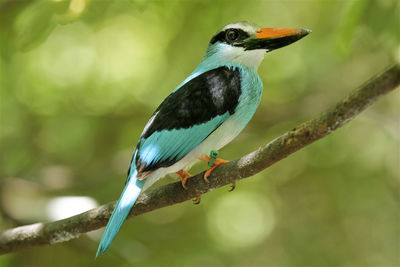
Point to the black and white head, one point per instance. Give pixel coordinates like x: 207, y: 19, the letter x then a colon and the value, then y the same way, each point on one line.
x: 246, y: 43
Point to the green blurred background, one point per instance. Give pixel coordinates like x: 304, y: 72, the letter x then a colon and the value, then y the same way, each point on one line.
x: 79, y: 79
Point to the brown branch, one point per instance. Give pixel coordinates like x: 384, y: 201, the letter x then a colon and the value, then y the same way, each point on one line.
x: 248, y: 165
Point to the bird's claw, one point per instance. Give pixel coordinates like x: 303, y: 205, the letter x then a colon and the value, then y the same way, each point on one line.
x: 184, y: 176
x: 196, y: 201
x: 233, y: 186
x: 184, y: 184
x: 208, y: 173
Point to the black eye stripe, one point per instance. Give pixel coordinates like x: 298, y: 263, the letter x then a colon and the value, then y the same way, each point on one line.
x: 221, y: 36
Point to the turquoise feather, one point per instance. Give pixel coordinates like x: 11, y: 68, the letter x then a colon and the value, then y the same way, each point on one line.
x: 176, y: 143
x: 128, y: 197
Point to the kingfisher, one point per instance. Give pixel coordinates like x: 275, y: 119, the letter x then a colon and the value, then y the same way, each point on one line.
x: 203, y: 114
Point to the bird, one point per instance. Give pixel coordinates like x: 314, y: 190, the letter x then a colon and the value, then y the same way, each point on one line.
x: 203, y: 114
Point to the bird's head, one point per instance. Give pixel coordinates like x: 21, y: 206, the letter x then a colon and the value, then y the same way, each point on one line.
x: 246, y: 43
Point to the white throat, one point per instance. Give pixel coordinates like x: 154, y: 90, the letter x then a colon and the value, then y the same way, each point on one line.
x: 224, y: 53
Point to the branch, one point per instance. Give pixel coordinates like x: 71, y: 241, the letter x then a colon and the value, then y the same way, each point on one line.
x: 248, y: 165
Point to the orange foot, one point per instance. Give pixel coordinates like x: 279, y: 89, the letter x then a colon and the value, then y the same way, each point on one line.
x: 184, y: 175
x: 217, y: 162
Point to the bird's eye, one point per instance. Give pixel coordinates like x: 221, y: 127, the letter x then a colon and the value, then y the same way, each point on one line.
x: 232, y: 35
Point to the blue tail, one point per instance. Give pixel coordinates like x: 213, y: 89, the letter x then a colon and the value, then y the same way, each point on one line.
x: 128, y: 197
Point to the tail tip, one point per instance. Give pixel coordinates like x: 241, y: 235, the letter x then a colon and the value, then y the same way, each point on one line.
x: 100, y: 250
x: 98, y: 253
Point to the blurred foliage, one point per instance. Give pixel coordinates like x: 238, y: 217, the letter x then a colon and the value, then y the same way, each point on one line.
x: 79, y: 80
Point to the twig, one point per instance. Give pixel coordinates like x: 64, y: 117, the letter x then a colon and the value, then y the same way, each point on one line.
x: 248, y: 165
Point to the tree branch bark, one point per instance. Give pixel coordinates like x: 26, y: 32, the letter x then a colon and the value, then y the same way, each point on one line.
x: 63, y: 230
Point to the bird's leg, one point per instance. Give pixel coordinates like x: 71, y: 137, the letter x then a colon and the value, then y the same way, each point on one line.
x: 184, y: 175
x: 213, y: 162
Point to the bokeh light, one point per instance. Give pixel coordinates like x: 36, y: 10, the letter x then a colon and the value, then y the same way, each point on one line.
x: 241, y: 220
x: 66, y: 206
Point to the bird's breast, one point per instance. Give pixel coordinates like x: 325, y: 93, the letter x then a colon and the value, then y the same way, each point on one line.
x: 251, y: 93
x: 249, y: 99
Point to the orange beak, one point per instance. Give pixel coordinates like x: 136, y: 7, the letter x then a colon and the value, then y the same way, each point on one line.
x: 273, y: 33
x: 274, y: 38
